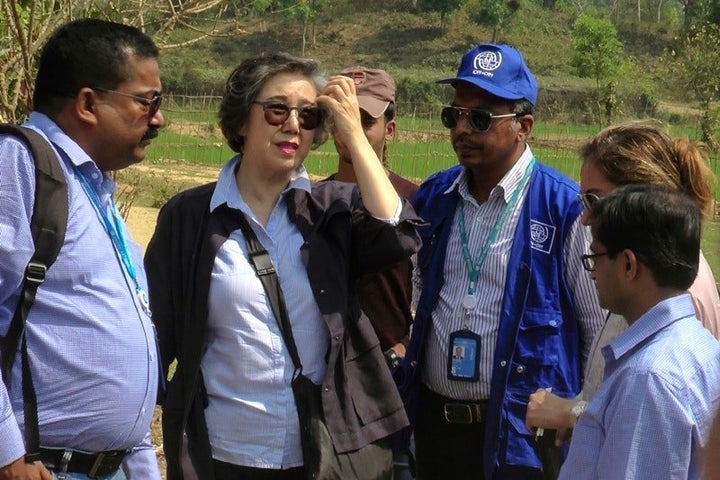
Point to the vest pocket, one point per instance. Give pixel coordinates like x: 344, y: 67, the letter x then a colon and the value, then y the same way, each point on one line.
x: 539, y: 339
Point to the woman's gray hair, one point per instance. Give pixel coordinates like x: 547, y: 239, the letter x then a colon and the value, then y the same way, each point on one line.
x: 248, y: 78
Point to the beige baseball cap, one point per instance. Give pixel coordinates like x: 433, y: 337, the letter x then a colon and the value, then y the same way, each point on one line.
x: 375, y: 88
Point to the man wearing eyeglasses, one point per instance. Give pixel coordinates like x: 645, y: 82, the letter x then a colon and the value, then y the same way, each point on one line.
x: 652, y: 414
x: 90, y: 343
x: 498, y: 276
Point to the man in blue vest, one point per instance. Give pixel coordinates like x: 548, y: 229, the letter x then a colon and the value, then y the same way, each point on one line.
x: 499, y: 274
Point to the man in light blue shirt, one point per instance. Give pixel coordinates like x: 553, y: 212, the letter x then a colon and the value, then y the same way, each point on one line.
x: 90, y: 341
x: 652, y: 415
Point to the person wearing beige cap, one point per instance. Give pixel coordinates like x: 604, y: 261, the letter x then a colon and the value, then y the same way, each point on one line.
x: 385, y: 297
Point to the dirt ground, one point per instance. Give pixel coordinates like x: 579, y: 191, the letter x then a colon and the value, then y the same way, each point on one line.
x: 141, y: 223
x: 141, y: 219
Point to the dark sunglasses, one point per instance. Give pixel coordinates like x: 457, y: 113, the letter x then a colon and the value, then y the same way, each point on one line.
x: 588, y: 200
x: 152, y: 104
x: 480, y: 120
x: 276, y: 113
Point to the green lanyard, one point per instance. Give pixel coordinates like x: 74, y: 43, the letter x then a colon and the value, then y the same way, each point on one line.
x: 473, y: 268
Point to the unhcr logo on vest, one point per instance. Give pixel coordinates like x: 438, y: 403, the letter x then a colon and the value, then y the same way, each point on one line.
x: 485, y: 62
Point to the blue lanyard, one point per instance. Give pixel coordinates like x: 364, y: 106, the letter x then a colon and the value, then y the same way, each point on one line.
x: 114, y: 229
x: 473, y: 268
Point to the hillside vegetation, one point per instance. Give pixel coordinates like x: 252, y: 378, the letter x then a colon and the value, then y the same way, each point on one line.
x: 413, y: 47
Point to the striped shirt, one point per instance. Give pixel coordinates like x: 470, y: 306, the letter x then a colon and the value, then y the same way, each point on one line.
x: 651, y: 417
x: 449, y: 315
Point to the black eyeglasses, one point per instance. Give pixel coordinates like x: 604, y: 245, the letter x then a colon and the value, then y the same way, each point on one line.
x: 480, y: 120
x: 152, y: 104
x: 588, y: 261
x: 588, y: 200
x: 276, y: 113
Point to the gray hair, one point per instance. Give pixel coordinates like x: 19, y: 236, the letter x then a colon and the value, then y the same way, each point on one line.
x: 248, y: 78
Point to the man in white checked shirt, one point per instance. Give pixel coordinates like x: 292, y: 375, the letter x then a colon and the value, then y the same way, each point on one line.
x: 499, y: 274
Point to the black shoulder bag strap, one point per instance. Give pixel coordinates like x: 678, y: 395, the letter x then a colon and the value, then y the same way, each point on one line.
x: 48, y: 223
x: 262, y: 263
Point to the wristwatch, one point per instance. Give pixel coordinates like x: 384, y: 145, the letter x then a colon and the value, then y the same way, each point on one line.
x: 577, y: 410
x: 392, y: 358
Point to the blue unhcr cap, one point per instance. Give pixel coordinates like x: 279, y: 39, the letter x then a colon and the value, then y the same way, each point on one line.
x: 499, y: 70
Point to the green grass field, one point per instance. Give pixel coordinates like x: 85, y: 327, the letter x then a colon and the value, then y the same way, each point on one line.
x: 420, y: 149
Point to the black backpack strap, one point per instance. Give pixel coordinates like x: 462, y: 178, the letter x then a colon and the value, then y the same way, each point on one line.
x: 48, y: 223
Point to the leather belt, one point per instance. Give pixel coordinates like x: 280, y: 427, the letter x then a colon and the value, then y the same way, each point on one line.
x: 465, y: 412
x: 93, y: 465
x: 455, y: 411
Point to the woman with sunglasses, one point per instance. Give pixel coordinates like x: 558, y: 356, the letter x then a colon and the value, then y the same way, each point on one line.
x: 633, y: 152
x: 229, y: 411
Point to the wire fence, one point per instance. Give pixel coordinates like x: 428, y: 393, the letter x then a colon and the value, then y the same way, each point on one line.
x: 420, y: 148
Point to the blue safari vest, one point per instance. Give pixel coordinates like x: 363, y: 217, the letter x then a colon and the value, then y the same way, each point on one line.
x: 539, y: 342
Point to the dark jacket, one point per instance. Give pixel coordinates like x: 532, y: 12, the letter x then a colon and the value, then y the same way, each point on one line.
x: 342, y: 243
x: 539, y: 342
x: 385, y: 296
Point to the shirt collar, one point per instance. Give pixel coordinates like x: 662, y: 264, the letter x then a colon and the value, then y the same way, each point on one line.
x: 226, y: 190
x: 53, y: 132
x: 657, y: 318
x: 72, y: 153
x: 510, y: 181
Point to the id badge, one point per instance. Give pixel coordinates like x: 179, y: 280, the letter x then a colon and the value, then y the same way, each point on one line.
x: 463, y: 356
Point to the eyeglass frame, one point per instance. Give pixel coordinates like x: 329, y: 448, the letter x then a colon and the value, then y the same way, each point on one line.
x: 584, y: 198
x: 301, y: 121
x: 469, y: 111
x: 588, y: 260
x: 152, y: 104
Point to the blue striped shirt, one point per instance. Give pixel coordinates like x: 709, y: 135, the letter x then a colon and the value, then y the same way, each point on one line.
x: 651, y: 416
x: 92, y: 348
x: 251, y: 414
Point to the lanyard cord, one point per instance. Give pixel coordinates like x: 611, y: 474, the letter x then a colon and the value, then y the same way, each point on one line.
x: 473, y: 268
x: 113, y: 228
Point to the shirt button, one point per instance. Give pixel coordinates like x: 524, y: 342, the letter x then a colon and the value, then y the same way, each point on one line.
x: 337, y: 337
x: 553, y: 323
x: 503, y: 363
x: 520, y: 369
x: 327, y: 389
x: 322, y: 291
x: 413, y: 364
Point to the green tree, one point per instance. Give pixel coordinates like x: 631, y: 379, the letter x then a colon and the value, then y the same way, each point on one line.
x: 26, y: 24
x: 598, y: 55
x: 492, y: 13
x: 306, y: 11
x: 697, y: 63
x: 444, y: 7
